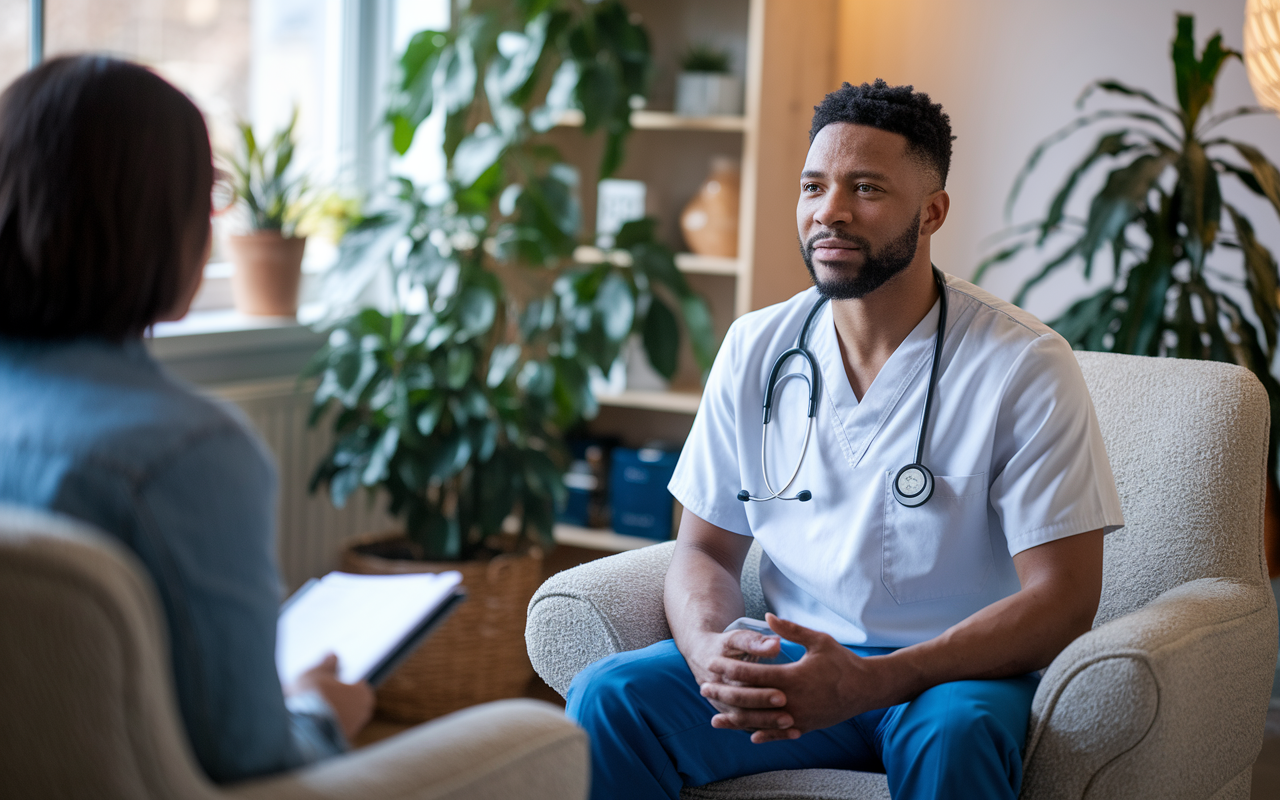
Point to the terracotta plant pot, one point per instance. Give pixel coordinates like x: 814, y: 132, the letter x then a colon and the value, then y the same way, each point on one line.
x: 268, y: 271
x: 478, y: 654
x: 710, y: 221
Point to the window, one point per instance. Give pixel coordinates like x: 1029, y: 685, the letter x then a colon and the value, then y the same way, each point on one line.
x: 257, y: 60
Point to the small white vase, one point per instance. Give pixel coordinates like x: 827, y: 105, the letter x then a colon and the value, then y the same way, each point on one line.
x: 704, y: 94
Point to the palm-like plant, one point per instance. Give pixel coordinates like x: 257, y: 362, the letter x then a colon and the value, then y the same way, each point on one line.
x: 1160, y: 213
x: 262, y: 179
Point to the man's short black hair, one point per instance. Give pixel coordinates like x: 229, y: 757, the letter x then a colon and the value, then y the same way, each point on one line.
x: 105, y: 176
x: 896, y: 109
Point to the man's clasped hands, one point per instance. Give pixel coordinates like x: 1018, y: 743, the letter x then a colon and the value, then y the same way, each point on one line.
x: 777, y: 702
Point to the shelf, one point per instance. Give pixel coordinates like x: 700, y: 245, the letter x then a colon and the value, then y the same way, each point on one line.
x: 707, y: 265
x: 685, y: 262
x: 595, y: 539
x: 675, y: 402
x: 666, y: 121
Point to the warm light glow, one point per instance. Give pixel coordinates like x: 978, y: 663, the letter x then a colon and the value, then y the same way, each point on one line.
x: 1262, y: 50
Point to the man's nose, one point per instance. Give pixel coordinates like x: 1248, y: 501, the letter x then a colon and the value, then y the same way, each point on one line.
x: 834, y: 209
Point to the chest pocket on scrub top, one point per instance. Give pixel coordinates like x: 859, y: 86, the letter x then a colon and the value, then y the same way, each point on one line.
x: 940, y: 549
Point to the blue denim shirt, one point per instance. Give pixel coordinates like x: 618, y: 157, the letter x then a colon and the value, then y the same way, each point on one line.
x: 100, y: 432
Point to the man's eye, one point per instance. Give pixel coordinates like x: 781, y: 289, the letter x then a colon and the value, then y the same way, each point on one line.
x: 809, y: 187
x: 866, y: 188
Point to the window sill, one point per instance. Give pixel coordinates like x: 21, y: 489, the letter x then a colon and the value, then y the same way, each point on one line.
x: 223, y: 346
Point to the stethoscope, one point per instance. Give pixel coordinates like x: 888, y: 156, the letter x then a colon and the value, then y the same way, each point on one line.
x: 913, y: 485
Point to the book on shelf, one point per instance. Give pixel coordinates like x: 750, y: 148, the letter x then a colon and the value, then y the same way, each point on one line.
x: 371, y: 622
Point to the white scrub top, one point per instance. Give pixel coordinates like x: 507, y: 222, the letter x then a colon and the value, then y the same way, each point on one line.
x: 1013, y: 443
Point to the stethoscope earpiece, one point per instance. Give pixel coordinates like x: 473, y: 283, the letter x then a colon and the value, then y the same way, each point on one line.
x: 913, y: 485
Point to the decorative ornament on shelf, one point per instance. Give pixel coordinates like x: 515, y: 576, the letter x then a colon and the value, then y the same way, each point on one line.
x: 1262, y: 50
x: 710, y: 220
x: 705, y: 86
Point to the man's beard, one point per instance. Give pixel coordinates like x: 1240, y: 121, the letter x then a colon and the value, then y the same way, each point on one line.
x: 877, y: 266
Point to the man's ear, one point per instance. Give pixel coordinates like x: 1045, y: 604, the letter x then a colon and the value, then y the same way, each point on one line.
x: 934, y: 212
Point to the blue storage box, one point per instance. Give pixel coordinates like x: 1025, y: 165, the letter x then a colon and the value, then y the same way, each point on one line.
x: 638, y: 492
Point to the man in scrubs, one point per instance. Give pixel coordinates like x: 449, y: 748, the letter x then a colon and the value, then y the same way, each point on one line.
x: 908, y: 637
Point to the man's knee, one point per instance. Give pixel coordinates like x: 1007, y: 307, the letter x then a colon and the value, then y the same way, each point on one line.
x: 968, y: 715
x: 624, y: 681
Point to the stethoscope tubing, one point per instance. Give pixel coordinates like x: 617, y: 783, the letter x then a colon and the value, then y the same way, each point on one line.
x: 801, y: 349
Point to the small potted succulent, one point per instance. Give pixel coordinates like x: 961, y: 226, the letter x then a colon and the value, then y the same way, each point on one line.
x: 267, y: 260
x: 706, y: 86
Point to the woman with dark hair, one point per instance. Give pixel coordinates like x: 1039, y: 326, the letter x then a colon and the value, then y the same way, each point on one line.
x: 105, y: 182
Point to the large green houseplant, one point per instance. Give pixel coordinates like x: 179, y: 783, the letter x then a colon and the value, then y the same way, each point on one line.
x: 1165, y: 222
x: 454, y: 396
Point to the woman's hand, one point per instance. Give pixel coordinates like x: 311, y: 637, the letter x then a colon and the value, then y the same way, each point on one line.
x: 352, y: 703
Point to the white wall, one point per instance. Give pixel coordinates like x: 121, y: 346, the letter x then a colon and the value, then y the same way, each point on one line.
x: 1008, y: 72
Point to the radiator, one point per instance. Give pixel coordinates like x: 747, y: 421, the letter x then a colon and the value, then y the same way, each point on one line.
x: 310, y: 531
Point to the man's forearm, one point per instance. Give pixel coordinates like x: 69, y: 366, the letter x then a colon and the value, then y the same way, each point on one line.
x: 701, y: 594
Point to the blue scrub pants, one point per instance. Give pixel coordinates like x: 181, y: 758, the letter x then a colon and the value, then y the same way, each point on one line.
x: 651, y: 734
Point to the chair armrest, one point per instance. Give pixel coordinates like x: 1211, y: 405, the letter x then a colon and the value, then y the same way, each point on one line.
x: 495, y: 751
x: 1168, y: 701
x: 603, y: 607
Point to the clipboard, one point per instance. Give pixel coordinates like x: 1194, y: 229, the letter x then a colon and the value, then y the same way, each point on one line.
x: 393, y: 660
x: 371, y: 664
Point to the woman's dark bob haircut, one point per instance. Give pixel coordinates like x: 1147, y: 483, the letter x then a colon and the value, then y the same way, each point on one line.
x: 105, y: 181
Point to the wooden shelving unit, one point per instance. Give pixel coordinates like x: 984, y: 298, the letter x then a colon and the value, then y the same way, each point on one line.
x: 785, y: 52
x: 666, y: 121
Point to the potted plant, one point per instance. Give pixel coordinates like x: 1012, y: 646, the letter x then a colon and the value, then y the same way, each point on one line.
x: 1164, y: 220
x: 268, y: 260
x: 452, y: 399
x: 705, y: 85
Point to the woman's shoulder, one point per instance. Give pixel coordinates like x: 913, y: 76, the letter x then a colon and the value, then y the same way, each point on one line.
x: 110, y: 404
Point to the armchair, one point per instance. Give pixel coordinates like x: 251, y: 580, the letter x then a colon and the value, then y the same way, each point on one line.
x: 89, y: 707
x: 1166, y: 696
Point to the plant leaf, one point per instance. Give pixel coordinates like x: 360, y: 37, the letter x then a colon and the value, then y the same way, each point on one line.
x: 661, y: 338
x: 1260, y: 277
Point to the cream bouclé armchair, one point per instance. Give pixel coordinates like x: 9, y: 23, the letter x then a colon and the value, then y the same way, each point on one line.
x: 89, y: 709
x: 1165, y: 698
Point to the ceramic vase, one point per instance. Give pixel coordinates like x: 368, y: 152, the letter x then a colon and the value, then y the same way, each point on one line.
x: 710, y: 220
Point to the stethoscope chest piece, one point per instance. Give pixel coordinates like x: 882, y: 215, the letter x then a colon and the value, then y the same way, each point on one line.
x: 913, y: 485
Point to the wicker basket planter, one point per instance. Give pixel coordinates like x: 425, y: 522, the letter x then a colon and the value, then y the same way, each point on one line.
x: 478, y: 654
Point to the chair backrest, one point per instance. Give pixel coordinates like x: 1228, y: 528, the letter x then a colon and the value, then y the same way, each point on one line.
x: 1187, y: 441
x: 89, y: 706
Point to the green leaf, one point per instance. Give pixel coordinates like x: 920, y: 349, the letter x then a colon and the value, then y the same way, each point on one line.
x: 380, y: 457
x: 502, y: 361
x: 1045, y: 271
x: 1122, y: 198
x: 1264, y: 172
x: 1064, y: 132
x: 461, y: 362
x: 697, y: 321
x: 477, y: 153
x: 999, y: 257
x: 1201, y: 201
x: 661, y: 338
x: 1260, y: 277
x: 1086, y: 322
x: 536, y: 378
x: 616, y: 306
x: 1116, y: 87
x: 429, y: 417
x: 1110, y: 145
x: 476, y: 311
